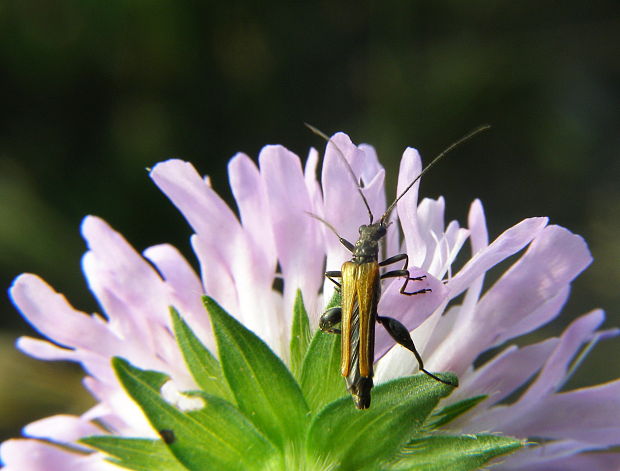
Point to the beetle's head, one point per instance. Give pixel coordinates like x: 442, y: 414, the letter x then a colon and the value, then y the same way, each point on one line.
x: 373, y: 231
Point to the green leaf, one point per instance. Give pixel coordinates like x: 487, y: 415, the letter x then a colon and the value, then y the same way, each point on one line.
x: 203, y: 366
x: 360, y: 439
x: 138, y: 454
x: 265, y: 390
x: 216, y: 437
x: 300, y: 335
x: 456, y: 453
x: 336, y: 300
x: 321, y: 381
x: 449, y: 413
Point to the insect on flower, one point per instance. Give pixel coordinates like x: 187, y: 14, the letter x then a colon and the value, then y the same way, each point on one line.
x: 360, y: 290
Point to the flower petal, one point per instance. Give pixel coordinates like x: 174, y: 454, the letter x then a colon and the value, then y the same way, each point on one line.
x: 410, y: 168
x: 479, y: 235
x: 312, y: 185
x: 215, y: 224
x: 134, y: 297
x: 344, y: 208
x: 35, y: 455
x: 44, y: 350
x: 253, y: 203
x: 62, y: 428
x: 526, y: 417
x: 479, y: 239
x: 411, y: 311
x: 121, y: 279
x: 299, y: 242
x: 93, y: 363
x: 116, y: 410
x: 507, y: 244
x: 505, y: 373
x: 445, y: 249
x: 431, y: 226
x: 558, y: 456
x: 51, y: 314
x: 552, y: 375
x: 552, y: 261
x: 579, y: 462
x: 542, y: 274
x: 546, y: 312
x: 184, y: 288
x: 590, y: 415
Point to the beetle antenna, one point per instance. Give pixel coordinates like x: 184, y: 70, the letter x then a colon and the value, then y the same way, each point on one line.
x: 451, y: 147
x: 319, y: 218
x: 320, y: 133
x: 332, y: 228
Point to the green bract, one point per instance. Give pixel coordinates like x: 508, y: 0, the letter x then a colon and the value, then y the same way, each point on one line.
x: 257, y: 415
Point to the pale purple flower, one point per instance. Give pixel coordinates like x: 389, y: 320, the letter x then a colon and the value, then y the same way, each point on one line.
x: 238, y: 259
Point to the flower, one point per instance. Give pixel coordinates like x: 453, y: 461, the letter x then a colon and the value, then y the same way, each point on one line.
x: 274, y: 237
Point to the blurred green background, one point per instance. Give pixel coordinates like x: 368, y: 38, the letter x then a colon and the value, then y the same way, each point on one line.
x: 93, y: 92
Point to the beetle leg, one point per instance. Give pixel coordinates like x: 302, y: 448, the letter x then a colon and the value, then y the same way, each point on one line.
x: 329, y: 319
x: 399, y: 273
x: 400, y: 333
x: 402, y: 272
x: 350, y: 247
x: 411, y: 293
x: 330, y: 275
x: 394, y: 259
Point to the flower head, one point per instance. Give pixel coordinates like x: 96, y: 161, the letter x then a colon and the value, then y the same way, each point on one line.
x: 273, y: 238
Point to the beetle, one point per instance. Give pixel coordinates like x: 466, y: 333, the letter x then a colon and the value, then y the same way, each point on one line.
x: 360, y: 290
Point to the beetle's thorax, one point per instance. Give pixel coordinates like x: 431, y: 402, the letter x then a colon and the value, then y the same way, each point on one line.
x: 367, y: 245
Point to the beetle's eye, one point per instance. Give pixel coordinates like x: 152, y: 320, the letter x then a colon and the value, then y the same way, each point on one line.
x: 363, y: 228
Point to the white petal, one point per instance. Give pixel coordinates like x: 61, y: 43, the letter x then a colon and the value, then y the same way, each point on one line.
x: 371, y: 165
x: 251, y: 198
x: 596, y: 460
x: 62, y: 428
x: 550, y: 263
x: 184, y: 288
x: 51, y: 314
x: 312, y: 184
x: 446, y: 249
x: 546, y: 312
x: 552, y: 375
x: 590, y: 415
x: 185, y: 403
x: 476, y: 221
x: 410, y: 168
x: 506, y: 372
x: 344, y: 208
x: 507, y: 244
x: 95, y: 364
x: 524, y: 417
x: 35, y: 455
x: 299, y: 242
x: 431, y: 226
x: 479, y: 240
x: 215, y: 224
x: 411, y: 311
x: 552, y: 456
x: 44, y: 350
x: 216, y: 273
x: 118, y: 411
x: 127, y: 287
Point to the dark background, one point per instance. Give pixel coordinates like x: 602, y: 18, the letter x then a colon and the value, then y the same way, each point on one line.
x: 93, y: 92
